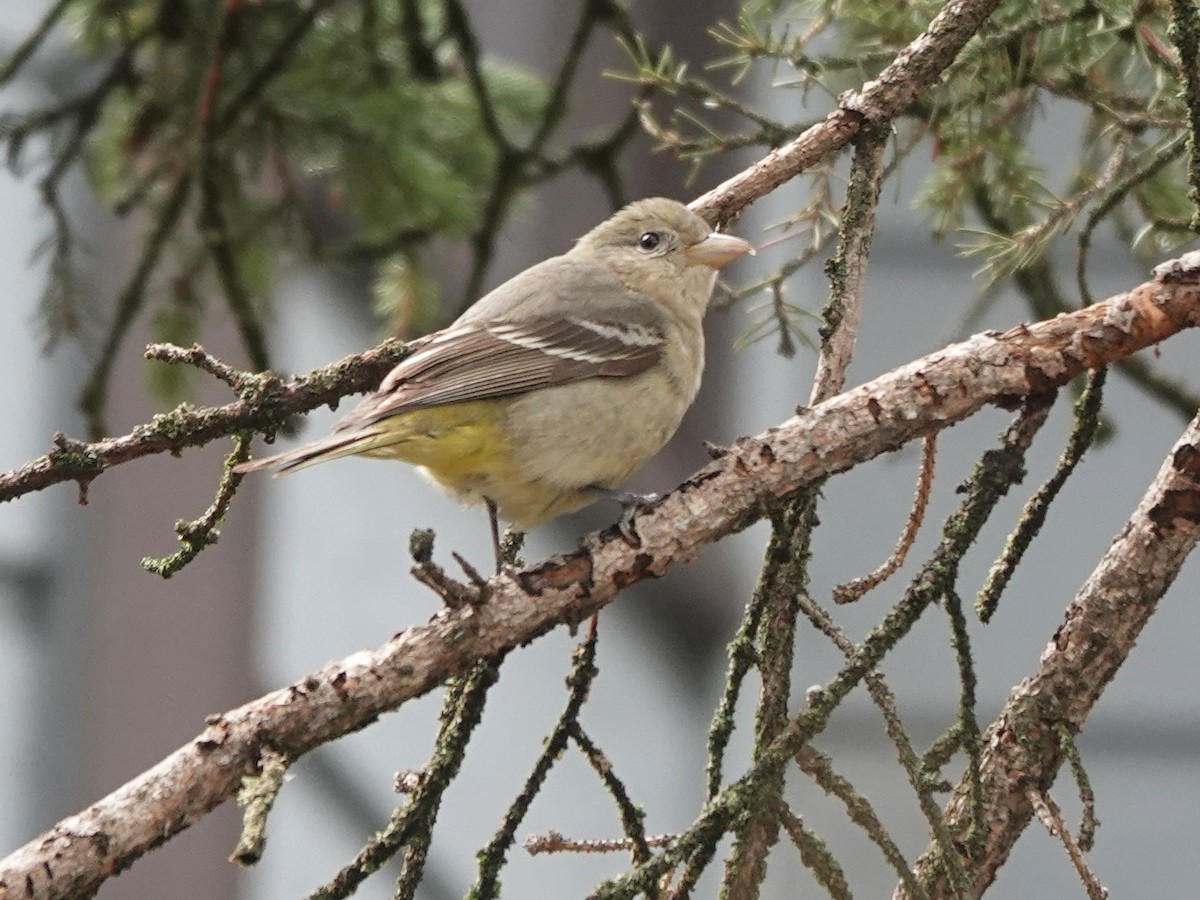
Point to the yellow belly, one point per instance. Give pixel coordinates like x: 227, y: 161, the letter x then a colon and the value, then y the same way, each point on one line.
x: 463, y: 448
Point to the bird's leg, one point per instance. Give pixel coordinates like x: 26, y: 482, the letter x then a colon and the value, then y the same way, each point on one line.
x: 631, y: 503
x: 494, y: 522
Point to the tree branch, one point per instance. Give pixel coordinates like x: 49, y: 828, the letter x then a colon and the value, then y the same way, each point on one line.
x: 915, y: 70
x: 1023, y: 750
x: 728, y: 495
x: 266, y: 405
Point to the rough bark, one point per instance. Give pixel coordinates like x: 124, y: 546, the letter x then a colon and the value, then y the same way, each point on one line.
x: 921, y: 398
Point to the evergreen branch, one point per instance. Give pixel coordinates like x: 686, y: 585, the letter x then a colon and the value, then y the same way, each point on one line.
x: 914, y: 70
x: 1185, y: 34
x: 33, y: 41
x: 725, y: 497
x: 274, y: 65
x: 1154, y: 161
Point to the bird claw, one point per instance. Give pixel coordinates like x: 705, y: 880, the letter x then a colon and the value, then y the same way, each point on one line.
x: 631, y: 505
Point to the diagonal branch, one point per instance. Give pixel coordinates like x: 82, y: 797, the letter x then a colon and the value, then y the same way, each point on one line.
x: 915, y: 70
x: 921, y: 398
x: 1023, y: 750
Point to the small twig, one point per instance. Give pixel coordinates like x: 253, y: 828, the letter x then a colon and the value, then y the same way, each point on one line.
x: 469, y: 570
x: 553, y: 842
x: 1033, y: 515
x: 203, y: 532
x: 30, y: 45
x: 454, y: 594
x: 256, y: 798
x: 583, y: 673
x: 1050, y: 816
x: 1088, y: 822
x: 855, y: 589
x: 817, y: 765
x: 197, y: 356
x: 815, y: 855
x: 632, y: 816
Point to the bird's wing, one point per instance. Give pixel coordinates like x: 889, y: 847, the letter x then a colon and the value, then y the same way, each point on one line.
x: 611, y: 332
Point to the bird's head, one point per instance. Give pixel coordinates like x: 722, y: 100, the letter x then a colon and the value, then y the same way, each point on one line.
x: 660, y: 247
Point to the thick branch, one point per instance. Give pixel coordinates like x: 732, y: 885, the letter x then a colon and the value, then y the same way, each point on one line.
x: 726, y: 496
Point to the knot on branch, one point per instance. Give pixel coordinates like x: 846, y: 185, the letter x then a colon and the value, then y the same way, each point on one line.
x: 1184, y: 270
x: 78, y: 459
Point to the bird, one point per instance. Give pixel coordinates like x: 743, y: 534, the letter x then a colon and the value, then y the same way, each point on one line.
x: 554, y: 388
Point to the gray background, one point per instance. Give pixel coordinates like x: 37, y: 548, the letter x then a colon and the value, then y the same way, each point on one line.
x: 104, y: 669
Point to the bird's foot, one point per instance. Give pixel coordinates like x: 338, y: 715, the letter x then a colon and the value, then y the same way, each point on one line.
x: 631, y: 505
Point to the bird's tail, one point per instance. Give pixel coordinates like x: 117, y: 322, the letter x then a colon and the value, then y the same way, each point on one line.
x: 334, y: 447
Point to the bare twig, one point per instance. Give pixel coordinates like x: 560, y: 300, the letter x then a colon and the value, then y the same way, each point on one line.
x: 491, y: 858
x: 816, y: 856
x: 553, y: 842
x: 855, y: 589
x: 256, y: 797
x: 1050, y: 816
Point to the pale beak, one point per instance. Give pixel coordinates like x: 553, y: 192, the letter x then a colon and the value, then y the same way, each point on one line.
x: 716, y: 250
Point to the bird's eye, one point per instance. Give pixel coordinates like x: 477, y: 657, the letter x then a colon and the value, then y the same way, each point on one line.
x: 649, y: 241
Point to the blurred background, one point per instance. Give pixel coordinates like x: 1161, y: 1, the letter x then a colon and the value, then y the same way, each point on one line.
x: 104, y: 669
